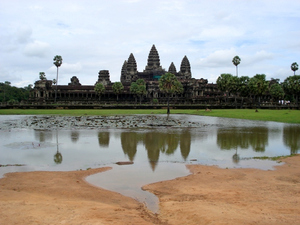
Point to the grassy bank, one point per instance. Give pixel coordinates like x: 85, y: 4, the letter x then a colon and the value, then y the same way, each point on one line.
x: 287, y: 116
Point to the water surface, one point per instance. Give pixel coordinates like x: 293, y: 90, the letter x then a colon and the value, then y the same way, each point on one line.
x: 157, y: 153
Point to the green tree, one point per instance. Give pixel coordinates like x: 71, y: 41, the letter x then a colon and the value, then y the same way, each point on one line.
x: 291, y: 86
x: 138, y: 88
x: 99, y: 89
x: 294, y: 67
x: 117, y: 88
x: 244, y: 87
x: 234, y: 87
x: 42, y: 76
x: 236, y: 61
x: 276, y: 91
x: 57, y: 62
x: 223, y: 83
x: 134, y: 89
x: 169, y: 84
x: 13, y: 94
x: 258, y: 86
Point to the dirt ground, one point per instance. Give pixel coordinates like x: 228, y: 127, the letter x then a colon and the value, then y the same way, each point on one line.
x: 209, y: 196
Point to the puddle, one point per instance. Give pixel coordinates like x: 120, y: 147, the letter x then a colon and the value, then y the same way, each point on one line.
x: 126, y: 181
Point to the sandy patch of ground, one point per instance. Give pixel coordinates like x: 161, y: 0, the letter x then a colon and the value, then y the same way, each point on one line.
x: 209, y: 196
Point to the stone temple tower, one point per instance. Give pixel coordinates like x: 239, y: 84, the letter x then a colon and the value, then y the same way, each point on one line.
x: 103, y: 77
x: 172, y: 69
x: 153, y: 70
x: 129, y: 70
x: 153, y: 60
x: 185, y: 69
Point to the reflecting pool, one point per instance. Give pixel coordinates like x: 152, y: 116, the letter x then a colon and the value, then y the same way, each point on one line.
x: 219, y: 141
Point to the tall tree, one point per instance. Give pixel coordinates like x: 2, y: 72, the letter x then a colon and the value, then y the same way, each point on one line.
x: 11, y: 94
x: 276, y: 91
x: 234, y: 87
x: 57, y: 62
x: 291, y: 85
x: 223, y: 83
x: 99, y: 89
x: 294, y: 67
x: 134, y: 89
x: 236, y: 61
x: 244, y: 87
x: 117, y: 88
x: 138, y: 88
x: 169, y: 84
x: 258, y: 86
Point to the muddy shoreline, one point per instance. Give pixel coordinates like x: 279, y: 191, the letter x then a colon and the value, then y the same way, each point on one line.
x: 210, y: 195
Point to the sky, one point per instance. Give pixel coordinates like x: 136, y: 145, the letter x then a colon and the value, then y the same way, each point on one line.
x: 94, y: 35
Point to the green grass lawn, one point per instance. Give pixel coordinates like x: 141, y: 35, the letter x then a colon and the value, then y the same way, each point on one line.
x: 286, y: 116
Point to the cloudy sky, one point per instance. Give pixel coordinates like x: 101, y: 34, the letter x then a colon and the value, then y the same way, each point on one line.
x: 94, y: 35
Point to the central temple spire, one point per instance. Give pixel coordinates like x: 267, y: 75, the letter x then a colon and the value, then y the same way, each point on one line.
x: 153, y: 60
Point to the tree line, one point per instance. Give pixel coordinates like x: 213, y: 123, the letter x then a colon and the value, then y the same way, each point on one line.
x: 13, y: 95
x: 257, y: 86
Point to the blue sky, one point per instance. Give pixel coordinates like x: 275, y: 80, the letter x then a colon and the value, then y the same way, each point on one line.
x: 99, y: 35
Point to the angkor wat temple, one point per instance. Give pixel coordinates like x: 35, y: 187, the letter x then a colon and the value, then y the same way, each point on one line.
x: 195, y: 90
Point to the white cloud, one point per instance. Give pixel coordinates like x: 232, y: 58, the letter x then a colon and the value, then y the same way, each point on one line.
x: 37, y: 49
x: 101, y: 35
x: 220, y: 33
x: 258, y: 57
x: 219, y: 58
x: 24, y: 34
x: 71, y: 68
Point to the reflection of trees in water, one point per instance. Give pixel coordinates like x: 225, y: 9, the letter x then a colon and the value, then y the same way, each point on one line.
x: 58, y: 156
x: 103, y: 139
x: 171, y: 142
x: 156, y: 142
x: 256, y: 137
x: 185, y: 143
x: 291, y: 137
x: 129, y: 141
x: 74, y: 136
x: 42, y: 135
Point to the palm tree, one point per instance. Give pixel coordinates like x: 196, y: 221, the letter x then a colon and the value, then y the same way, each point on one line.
x: 42, y: 76
x: 294, y: 67
x: 169, y: 84
x: 99, y: 89
x: 236, y: 61
x: 138, y: 88
x: 57, y: 62
x: 244, y: 88
x: 223, y: 83
x: 291, y: 85
x: 258, y: 86
x: 117, y: 88
x: 234, y: 87
x: 134, y: 88
x: 276, y: 91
